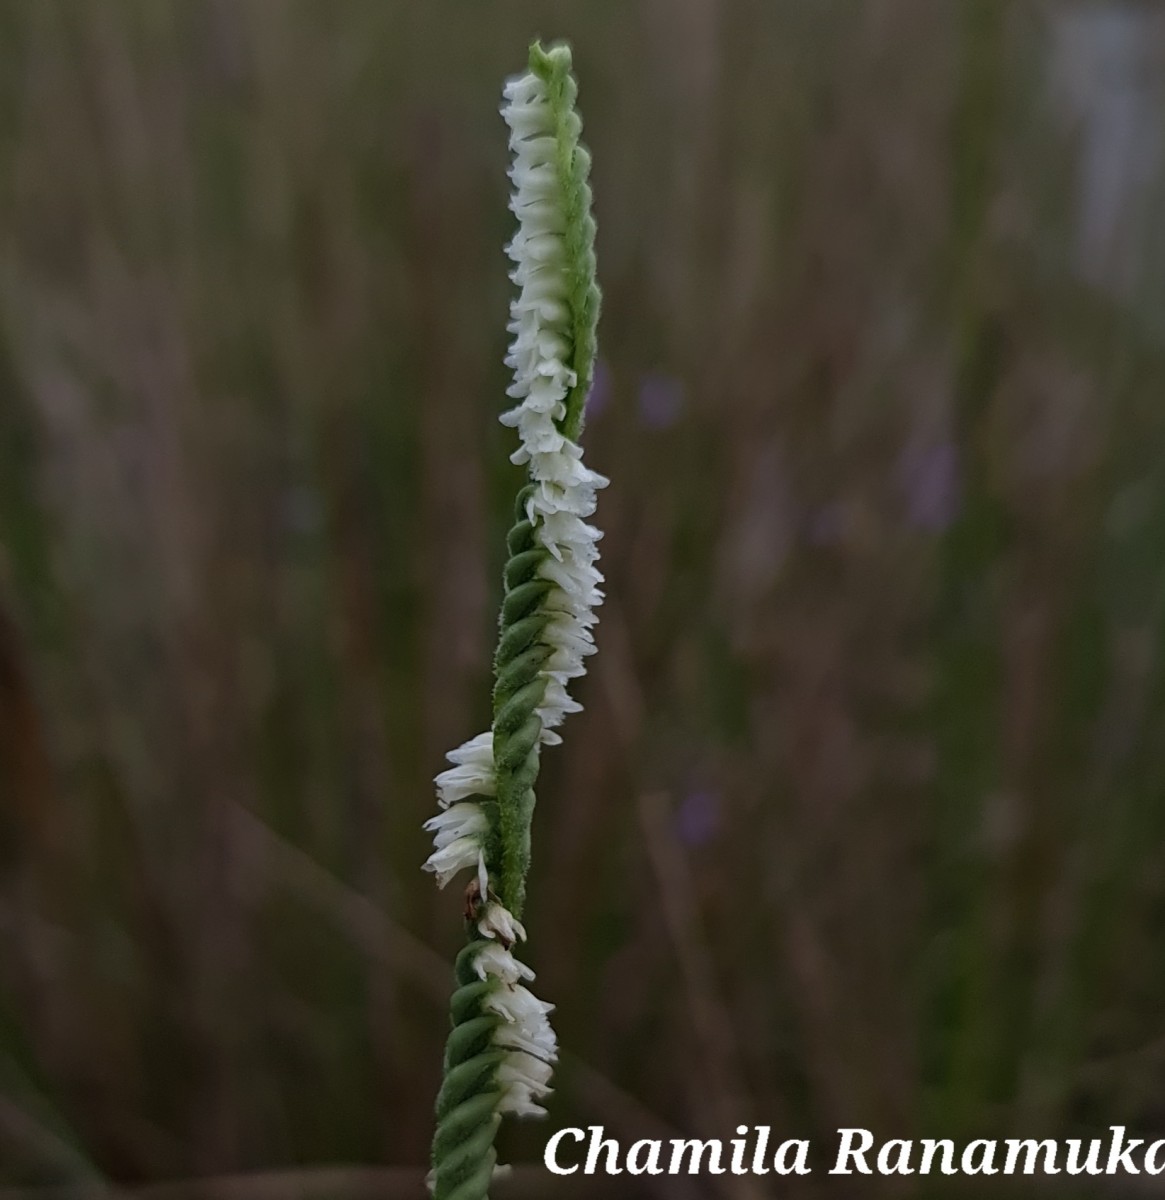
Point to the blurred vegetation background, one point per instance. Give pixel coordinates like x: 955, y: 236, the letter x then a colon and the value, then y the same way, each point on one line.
x: 863, y: 822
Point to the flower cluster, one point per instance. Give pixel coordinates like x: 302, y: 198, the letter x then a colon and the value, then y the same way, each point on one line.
x: 523, y: 1032
x: 501, y: 1050
x: 459, y: 830
x: 542, y: 322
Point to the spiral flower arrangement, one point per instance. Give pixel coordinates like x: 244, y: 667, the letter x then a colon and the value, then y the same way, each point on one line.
x: 500, y: 1053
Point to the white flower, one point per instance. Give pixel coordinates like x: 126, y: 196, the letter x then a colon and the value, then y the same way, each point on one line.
x: 497, y: 921
x: 527, y: 1070
x: 526, y: 1028
x: 465, y: 820
x: 525, y: 1080
x: 458, y: 834
x: 498, y: 962
x: 472, y: 773
x: 540, y: 320
x: 518, y: 1005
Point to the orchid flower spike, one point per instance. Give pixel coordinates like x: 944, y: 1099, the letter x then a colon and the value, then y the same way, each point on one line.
x: 501, y: 1052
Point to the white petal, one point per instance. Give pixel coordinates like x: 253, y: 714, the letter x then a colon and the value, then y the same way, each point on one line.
x: 498, y: 962
x: 526, y: 1080
x: 472, y: 773
x: 462, y: 820
x: 497, y: 921
x: 525, y: 1027
x: 454, y: 858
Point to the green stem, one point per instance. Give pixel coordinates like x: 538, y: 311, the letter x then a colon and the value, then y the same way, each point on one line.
x: 518, y: 692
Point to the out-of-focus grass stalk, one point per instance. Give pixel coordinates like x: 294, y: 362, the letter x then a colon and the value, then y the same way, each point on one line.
x: 970, y: 668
